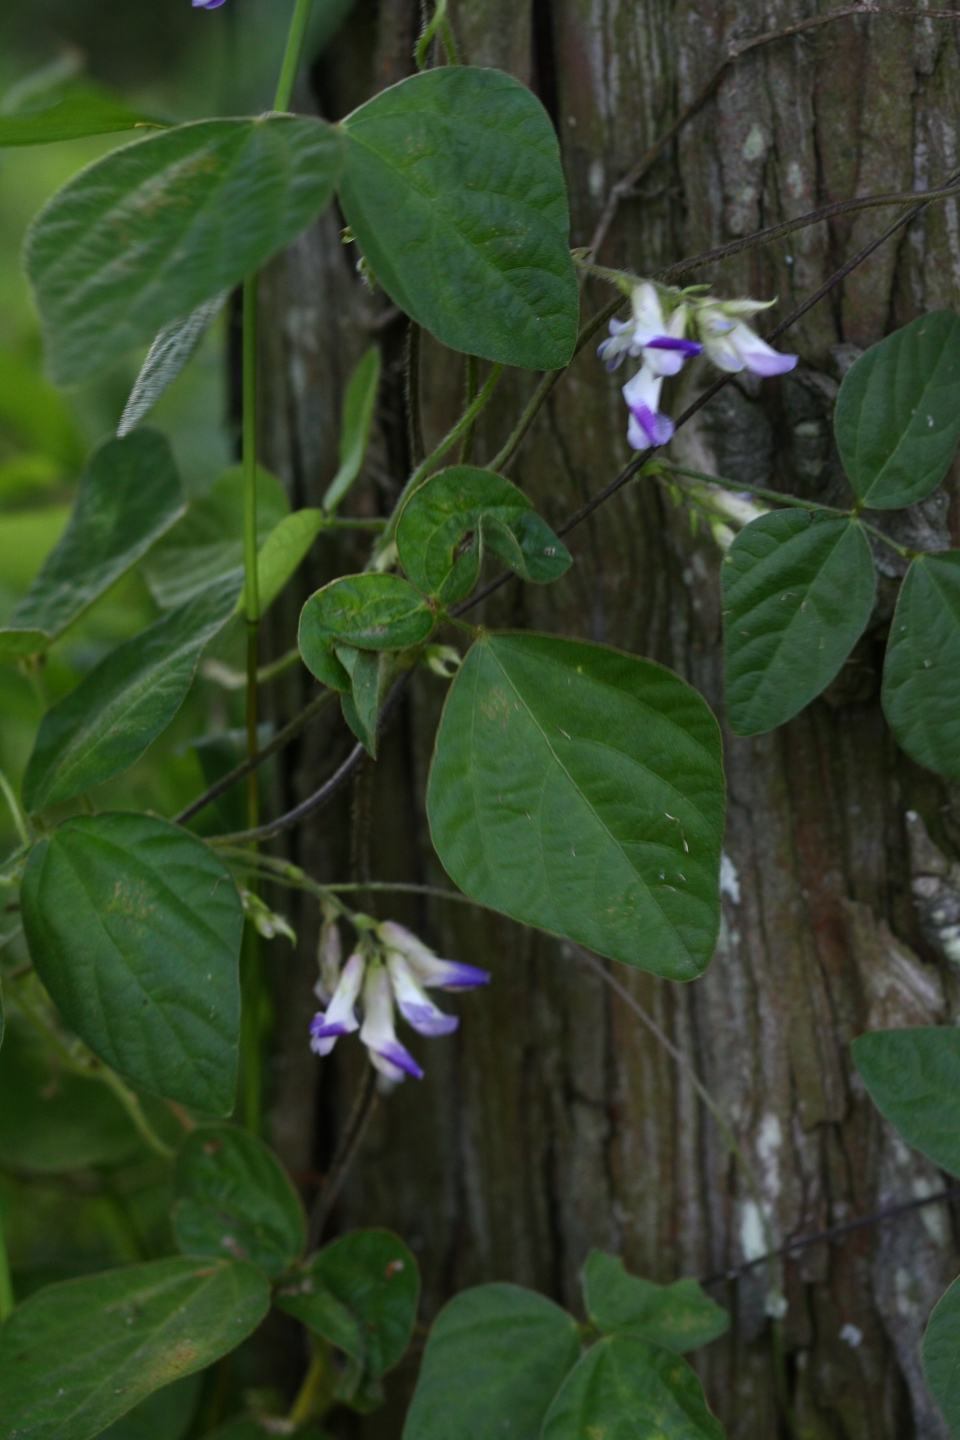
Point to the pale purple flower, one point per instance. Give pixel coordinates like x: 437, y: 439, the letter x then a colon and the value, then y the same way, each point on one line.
x: 732, y: 346
x: 660, y: 343
x: 431, y: 971
x: 386, y: 1053
x: 330, y: 958
x: 647, y: 427
x: 415, y: 1005
x: 207, y: 4
x: 340, y: 1017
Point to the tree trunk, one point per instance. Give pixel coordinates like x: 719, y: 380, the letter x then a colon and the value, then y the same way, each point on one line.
x: 554, y: 1121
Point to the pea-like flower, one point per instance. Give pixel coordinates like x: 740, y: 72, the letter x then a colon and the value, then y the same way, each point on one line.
x: 206, y: 4
x: 397, y: 973
x: 659, y: 342
x: 730, y: 343
x: 647, y: 426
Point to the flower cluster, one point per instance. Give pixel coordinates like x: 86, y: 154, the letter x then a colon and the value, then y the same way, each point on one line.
x: 391, y: 968
x: 662, y: 342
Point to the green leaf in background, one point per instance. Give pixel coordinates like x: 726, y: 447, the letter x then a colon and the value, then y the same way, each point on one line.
x: 38, y: 417
x: 131, y: 907
x: 371, y: 612
x: 625, y: 1389
x: 103, y: 726
x: 130, y: 495
x: 77, y: 1356
x: 151, y: 231
x: 359, y: 404
x: 914, y: 1080
x: 374, y: 1278
x: 233, y: 1197
x: 53, y: 1120
x: 495, y: 1359
x: 164, y: 1415
x: 86, y: 110
x: 454, y: 190
x: 941, y: 1356
x: 176, y: 344
x: 797, y: 595
x: 449, y: 520
x: 897, y: 419
x: 361, y: 707
x: 580, y: 790
x: 282, y: 553
x: 207, y: 544
x: 678, y: 1317
x: 921, y: 673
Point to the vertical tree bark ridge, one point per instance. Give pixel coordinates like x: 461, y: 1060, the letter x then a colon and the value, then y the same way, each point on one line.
x: 553, y: 1122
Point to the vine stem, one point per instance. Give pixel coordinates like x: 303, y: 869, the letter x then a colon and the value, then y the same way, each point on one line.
x: 251, y: 592
x: 19, y: 819
x: 350, y: 1142
x: 315, y: 1381
x: 296, y: 38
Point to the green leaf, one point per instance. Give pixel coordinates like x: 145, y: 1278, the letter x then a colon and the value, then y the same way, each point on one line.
x: 207, y: 544
x: 921, y: 678
x: 454, y: 189
x: 103, y: 726
x: 282, y: 553
x: 914, y: 1080
x: 580, y: 790
x: 897, y: 419
x: 376, y: 1283
x: 234, y: 1197
x: 77, y: 1356
x: 678, y: 1317
x: 361, y: 707
x: 941, y: 1356
x: 358, y: 406
x: 164, y: 1415
x: 53, y: 1120
x: 625, y: 1389
x: 133, y: 908
x: 151, y: 231
x: 371, y: 612
x: 86, y: 110
x: 37, y: 415
x: 797, y: 595
x: 449, y: 520
x: 130, y: 495
x: 495, y: 1359
x: 170, y: 352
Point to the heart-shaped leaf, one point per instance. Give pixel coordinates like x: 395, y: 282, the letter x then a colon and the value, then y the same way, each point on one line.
x: 496, y: 1357
x: 234, y: 1198
x: 624, y: 1388
x: 130, y: 495
x: 941, y: 1356
x: 151, y: 231
x: 104, y: 726
x: 898, y: 412
x: 371, y: 612
x: 913, y: 1077
x: 447, y: 522
x: 361, y: 1292
x: 921, y: 673
x: 134, y: 927
x: 580, y: 790
x: 77, y: 1356
x: 207, y: 544
x: 678, y: 1317
x: 454, y: 189
x: 798, y: 591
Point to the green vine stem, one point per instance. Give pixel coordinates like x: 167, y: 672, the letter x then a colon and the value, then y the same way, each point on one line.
x: 251, y: 583
x: 293, y: 54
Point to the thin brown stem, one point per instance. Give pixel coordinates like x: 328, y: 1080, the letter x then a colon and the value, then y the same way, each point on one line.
x: 288, y: 733
x: 346, y: 1153
x: 414, y: 415
x: 623, y: 187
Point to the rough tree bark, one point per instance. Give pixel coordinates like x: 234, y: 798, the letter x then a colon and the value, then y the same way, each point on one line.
x: 553, y: 1121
